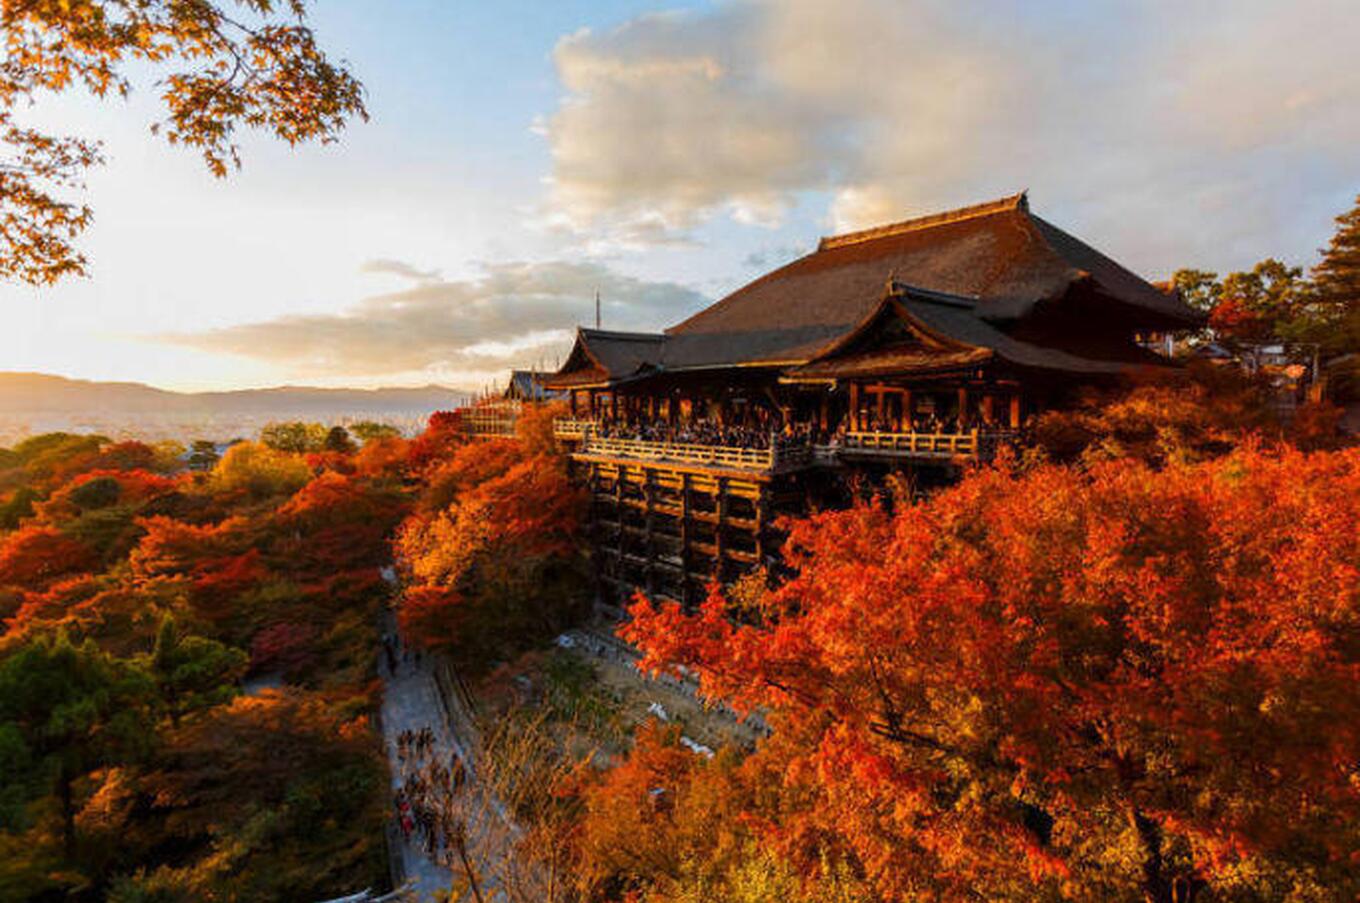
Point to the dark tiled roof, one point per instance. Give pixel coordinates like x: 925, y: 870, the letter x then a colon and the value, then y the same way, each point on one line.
x: 528, y: 385
x: 600, y: 355
x: 997, y: 253
x: 962, y: 337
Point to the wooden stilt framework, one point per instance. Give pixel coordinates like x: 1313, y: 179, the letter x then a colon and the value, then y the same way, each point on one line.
x: 670, y: 532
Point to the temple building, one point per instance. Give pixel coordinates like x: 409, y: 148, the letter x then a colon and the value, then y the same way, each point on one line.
x: 920, y: 345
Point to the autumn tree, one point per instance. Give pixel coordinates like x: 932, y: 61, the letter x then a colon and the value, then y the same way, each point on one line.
x: 223, y: 65
x: 72, y: 709
x: 261, y: 785
x: 498, y: 566
x: 1111, y: 683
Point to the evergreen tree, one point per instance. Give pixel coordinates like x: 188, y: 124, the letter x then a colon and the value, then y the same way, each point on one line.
x: 193, y: 672
x: 66, y: 710
x: 1336, y: 285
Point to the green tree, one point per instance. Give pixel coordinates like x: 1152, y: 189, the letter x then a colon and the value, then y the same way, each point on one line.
x: 222, y: 65
x: 1199, y: 288
x: 203, y: 455
x: 1336, y: 287
x: 338, y: 440
x: 66, y: 710
x: 368, y: 430
x: 193, y: 672
x: 1263, y: 304
x: 294, y: 436
x: 260, y: 471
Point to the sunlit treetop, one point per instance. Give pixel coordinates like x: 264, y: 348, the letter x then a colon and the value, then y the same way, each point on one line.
x: 221, y: 66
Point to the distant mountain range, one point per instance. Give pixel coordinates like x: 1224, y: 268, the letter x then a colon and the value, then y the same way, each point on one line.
x: 28, y: 393
x: 32, y: 403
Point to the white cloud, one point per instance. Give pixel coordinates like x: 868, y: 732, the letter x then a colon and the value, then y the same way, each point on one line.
x: 1174, y: 130
x: 512, y: 314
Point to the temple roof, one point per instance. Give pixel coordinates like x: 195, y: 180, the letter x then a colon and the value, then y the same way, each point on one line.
x: 944, y: 332
x: 1008, y: 267
x: 603, y: 356
x: 999, y: 254
x: 527, y: 385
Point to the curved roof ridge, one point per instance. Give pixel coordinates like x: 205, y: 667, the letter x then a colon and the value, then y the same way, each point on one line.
x: 621, y: 335
x: 1019, y: 201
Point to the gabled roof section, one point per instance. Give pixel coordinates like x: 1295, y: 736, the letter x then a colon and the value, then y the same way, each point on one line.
x: 527, y: 385
x: 996, y: 254
x: 951, y: 334
x: 602, y: 356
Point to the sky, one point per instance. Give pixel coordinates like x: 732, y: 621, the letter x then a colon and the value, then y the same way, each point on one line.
x: 522, y: 156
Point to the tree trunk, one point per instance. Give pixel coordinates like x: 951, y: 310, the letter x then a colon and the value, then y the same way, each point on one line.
x: 68, y: 812
x: 1156, y: 888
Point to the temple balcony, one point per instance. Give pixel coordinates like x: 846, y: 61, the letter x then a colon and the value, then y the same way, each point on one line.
x: 491, y: 419
x: 569, y: 429
x: 717, y: 457
x: 974, y: 445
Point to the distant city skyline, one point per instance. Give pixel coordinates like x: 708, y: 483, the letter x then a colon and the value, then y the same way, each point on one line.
x: 524, y: 155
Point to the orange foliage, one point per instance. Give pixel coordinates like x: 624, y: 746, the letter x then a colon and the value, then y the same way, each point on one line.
x: 1097, y: 682
x: 33, y: 557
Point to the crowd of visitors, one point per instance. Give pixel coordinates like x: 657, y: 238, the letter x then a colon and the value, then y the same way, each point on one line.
x: 765, y: 433
x: 426, y: 800
x: 762, y: 435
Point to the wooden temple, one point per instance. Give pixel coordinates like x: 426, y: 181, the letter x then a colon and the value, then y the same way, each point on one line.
x: 921, y: 345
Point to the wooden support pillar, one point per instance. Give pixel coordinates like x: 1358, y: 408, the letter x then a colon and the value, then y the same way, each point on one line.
x: 854, y: 408
x: 823, y: 414
x: 719, y: 543
x: 908, y: 414
x: 988, y: 410
x: 649, y: 502
x: 963, y: 402
x: 686, y: 554
x: 882, y: 397
x: 1015, y: 411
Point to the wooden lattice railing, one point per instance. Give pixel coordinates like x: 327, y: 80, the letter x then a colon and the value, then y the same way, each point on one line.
x: 569, y: 428
x: 682, y: 453
x: 972, y: 444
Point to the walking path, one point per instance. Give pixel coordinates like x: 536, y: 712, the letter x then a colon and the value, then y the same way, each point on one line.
x: 412, y: 703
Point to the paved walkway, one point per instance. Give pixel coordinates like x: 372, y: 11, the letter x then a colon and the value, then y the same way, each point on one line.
x: 412, y: 702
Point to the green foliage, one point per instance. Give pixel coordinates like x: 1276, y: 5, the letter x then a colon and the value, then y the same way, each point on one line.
x: 295, y: 436
x: 338, y: 440
x: 367, y: 430
x: 259, y: 471
x: 1199, y: 288
x: 193, y: 672
x: 69, y: 709
x: 203, y: 455
x: 17, y: 507
x: 100, y: 492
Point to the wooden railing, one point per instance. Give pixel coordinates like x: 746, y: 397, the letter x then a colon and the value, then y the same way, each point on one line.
x: 495, y: 419
x: 976, y: 444
x: 569, y: 428
x: 682, y: 453
x: 973, y: 444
